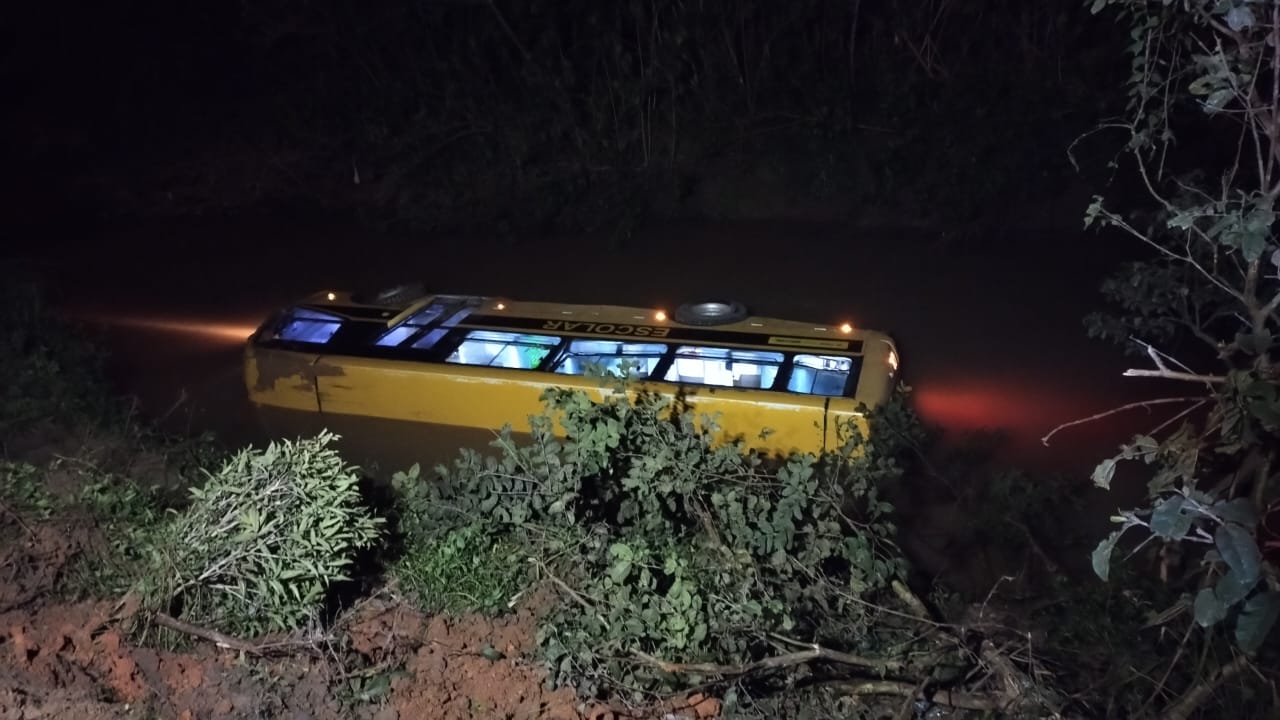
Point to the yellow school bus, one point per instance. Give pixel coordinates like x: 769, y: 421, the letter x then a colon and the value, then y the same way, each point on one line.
x: 406, y: 372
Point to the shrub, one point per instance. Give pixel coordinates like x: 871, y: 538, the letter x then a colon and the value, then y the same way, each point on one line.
x: 23, y: 492
x: 263, y: 540
x: 672, y: 547
x: 128, y: 519
x: 464, y: 569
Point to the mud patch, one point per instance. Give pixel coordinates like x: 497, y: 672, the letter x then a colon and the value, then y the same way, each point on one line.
x: 73, y: 654
x: 456, y: 668
x: 32, y: 559
x: 72, y: 661
x: 77, y: 660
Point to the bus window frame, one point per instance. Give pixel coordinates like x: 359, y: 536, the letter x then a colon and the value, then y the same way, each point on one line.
x: 457, y: 335
x: 567, y: 341
x: 784, y: 358
x: 358, y: 338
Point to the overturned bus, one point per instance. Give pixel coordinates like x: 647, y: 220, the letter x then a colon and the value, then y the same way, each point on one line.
x: 408, y: 377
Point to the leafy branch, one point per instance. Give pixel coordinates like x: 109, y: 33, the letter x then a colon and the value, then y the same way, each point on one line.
x: 1215, y: 66
x: 263, y: 540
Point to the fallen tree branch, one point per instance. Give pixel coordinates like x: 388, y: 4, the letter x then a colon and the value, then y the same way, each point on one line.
x: 577, y: 597
x: 906, y: 710
x: 1197, y: 695
x: 962, y: 701
x: 213, y: 636
x: 815, y: 652
x: 1017, y: 684
x: 226, y: 641
x: 911, y: 600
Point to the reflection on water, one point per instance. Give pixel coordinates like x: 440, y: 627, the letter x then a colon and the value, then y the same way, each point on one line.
x: 212, y: 331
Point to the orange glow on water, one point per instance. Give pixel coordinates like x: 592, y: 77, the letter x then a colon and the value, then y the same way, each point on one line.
x: 224, y: 332
x: 1024, y: 412
x: 976, y: 407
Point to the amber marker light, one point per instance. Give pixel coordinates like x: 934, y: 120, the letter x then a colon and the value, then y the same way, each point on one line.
x: 502, y: 306
x: 660, y: 316
x: 846, y: 328
x: 332, y: 297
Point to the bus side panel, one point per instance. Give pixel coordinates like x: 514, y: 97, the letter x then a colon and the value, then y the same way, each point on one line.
x: 437, y: 394
x: 843, y: 419
x: 793, y: 423
x: 281, y: 378
x: 487, y: 398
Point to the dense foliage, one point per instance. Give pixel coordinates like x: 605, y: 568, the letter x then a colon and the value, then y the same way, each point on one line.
x: 671, y: 548
x: 1204, y: 311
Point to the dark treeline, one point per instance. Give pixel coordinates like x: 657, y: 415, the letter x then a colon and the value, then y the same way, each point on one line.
x: 569, y: 113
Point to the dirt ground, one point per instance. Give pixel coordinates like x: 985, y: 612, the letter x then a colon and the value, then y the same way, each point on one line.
x: 76, y: 660
x: 381, y: 659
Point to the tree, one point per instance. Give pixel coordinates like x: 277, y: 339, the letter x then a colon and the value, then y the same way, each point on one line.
x: 1202, y: 133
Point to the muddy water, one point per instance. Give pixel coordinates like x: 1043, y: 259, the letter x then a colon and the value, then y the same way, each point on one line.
x: 989, y: 329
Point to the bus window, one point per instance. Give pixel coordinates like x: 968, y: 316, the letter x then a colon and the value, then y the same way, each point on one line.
x: 724, y: 367
x: 503, y: 349
x: 428, y: 341
x: 421, y: 319
x: 610, y: 355
x: 820, y: 374
x: 308, y: 326
x: 396, y: 335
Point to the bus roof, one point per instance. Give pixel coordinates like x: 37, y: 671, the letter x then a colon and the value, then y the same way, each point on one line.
x: 504, y: 312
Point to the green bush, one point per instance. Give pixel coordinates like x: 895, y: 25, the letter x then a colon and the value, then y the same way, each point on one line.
x: 129, y: 520
x: 263, y: 540
x: 670, y: 547
x: 22, y: 490
x: 464, y: 569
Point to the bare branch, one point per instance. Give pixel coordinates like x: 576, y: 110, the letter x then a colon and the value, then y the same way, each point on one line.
x: 577, y: 597
x: 963, y: 701
x: 1270, y: 307
x: 1251, y: 288
x: 1123, y: 225
x: 226, y: 641
x: 1197, y: 695
x: 1175, y: 375
x: 1117, y: 410
x: 1158, y: 356
x: 1183, y: 413
x: 1195, y: 326
x: 911, y: 600
x: 815, y: 652
x: 1274, y: 129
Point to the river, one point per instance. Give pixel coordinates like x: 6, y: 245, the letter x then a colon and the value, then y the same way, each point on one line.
x: 990, y: 328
